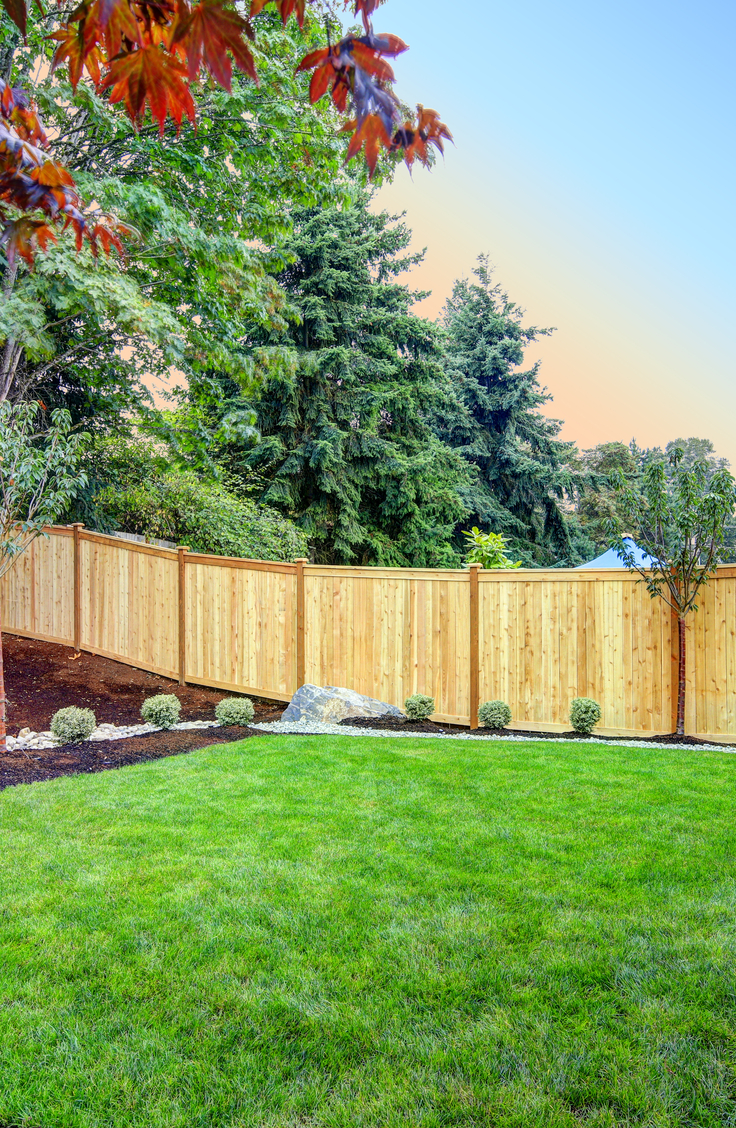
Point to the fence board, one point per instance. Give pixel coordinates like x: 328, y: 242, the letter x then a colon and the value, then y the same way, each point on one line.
x: 543, y: 637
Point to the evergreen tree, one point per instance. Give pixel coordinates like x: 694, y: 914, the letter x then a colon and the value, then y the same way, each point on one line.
x: 349, y: 435
x: 523, y: 473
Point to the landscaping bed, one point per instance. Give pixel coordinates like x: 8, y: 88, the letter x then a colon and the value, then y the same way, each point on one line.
x: 41, y: 677
x: 403, y: 724
x: 101, y: 755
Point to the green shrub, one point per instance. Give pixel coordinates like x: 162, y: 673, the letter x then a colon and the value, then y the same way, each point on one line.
x: 162, y: 710
x: 72, y: 725
x: 487, y: 549
x: 494, y: 714
x: 418, y: 707
x: 585, y: 714
x: 135, y: 487
x: 234, y: 711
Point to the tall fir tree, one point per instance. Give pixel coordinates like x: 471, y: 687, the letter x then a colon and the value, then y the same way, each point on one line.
x: 349, y: 435
x: 523, y: 469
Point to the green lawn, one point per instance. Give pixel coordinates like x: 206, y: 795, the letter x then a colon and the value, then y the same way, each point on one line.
x: 356, y: 932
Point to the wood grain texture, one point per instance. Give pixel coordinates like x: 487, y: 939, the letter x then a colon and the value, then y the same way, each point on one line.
x: 541, y: 638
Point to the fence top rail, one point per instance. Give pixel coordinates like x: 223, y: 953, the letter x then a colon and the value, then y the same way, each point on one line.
x: 240, y: 562
x: 491, y: 575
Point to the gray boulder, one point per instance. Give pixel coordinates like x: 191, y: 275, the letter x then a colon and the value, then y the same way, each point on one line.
x: 330, y: 703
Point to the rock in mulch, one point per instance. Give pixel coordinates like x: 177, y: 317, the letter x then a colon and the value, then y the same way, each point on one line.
x: 331, y: 704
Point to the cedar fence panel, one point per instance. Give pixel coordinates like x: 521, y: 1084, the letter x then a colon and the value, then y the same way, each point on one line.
x: 535, y: 639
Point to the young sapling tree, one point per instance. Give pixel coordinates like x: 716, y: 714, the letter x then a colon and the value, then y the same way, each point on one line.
x: 39, y: 475
x: 680, y: 513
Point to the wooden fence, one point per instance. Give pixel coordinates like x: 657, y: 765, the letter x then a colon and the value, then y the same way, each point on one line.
x: 535, y: 639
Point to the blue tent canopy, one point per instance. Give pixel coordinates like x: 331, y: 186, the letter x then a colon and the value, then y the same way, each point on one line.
x: 611, y: 558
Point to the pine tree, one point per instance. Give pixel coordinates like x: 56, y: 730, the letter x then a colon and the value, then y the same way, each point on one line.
x: 523, y: 473
x: 349, y: 441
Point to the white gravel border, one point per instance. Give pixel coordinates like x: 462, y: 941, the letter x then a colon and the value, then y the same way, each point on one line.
x: 39, y: 740
x: 27, y: 740
x: 311, y: 728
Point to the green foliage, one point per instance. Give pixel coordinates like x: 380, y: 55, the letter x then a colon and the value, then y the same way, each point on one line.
x: 488, y: 549
x: 163, y: 710
x: 682, y: 512
x: 585, y: 713
x: 94, y: 334
x: 494, y: 714
x: 39, y: 474
x: 522, y: 473
x: 134, y: 488
x: 234, y: 711
x: 601, y: 471
x: 349, y: 433
x: 598, y: 501
x: 418, y: 707
x: 354, y: 931
x: 73, y: 725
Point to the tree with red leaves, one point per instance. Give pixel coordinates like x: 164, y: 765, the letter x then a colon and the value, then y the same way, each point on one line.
x: 151, y: 54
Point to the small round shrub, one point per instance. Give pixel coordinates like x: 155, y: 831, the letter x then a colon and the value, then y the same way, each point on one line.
x: 418, y: 707
x: 234, y: 711
x: 585, y: 714
x: 162, y: 710
x: 72, y: 725
x: 494, y: 714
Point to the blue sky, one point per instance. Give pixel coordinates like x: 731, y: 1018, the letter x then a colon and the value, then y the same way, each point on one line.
x: 594, y: 163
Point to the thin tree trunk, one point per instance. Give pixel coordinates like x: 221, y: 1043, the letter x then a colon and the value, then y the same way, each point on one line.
x: 681, y: 677
x: 2, y: 700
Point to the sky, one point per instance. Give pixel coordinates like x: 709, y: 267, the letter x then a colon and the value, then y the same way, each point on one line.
x: 594, y: 164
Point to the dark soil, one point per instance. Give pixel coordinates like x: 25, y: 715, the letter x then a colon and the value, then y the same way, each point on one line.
x: 100, y: 755
x: 389, y: 721
x: 41, y: 677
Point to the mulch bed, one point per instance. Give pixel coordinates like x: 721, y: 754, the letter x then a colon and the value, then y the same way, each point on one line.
x: 389, y: 721
x: 41, y: 677
x: 100, y: 755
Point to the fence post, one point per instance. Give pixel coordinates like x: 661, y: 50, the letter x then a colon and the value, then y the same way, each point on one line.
x: 77, y: 526
x: 300, y: 653
x: 474, y: 645
x: 182, y: 550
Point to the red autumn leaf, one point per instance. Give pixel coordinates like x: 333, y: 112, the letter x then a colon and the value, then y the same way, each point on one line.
x: 285, y: 8
x: 371, y: 62
x: 149, y: 74
x: 314, y: 58
x: 18, y: 237
x: 208, y: 33
x: 364, y: 8
x: 414, y: 139
x: 52, y: 175
x: 78, y: 46
x: 16, y: 9
x: 372, y: 136
x: 388, y: 44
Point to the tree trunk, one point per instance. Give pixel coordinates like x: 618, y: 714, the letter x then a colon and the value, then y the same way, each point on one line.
x: 2, y: 700
x: 681, y: 677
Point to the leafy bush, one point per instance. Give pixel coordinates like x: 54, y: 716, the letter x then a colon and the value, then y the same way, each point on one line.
x: 488, y: 549
x: 134, y: 489
x: 162, y: 710
x: 418, y: 707
x: 72, y: 725
x: 234, y: 711
x: 585, y: 714
x: 494, y: 714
